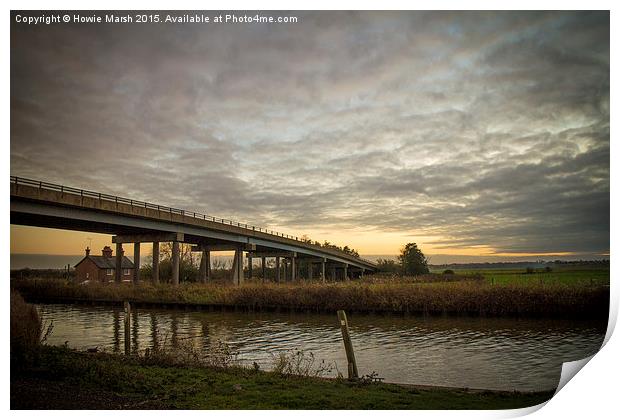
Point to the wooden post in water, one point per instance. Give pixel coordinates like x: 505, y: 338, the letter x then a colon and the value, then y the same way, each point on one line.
x: 127, y: 328
x: 348, y: 345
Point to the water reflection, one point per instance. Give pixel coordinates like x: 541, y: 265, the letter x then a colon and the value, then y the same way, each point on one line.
x: 508, y: 354
x: 135, y: 327
x: 154, y: 332
x: 117, y: 329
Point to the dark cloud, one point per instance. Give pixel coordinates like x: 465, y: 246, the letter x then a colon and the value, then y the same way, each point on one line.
x: 482, y: 129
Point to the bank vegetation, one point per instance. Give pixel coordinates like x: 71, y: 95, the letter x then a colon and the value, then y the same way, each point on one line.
x: 429, y: 294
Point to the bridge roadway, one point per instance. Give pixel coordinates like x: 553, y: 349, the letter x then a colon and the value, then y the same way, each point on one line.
x: 42, y: 204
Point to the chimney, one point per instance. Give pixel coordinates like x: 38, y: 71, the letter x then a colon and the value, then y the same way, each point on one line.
x: 106, y: 252
x: 87, y: 251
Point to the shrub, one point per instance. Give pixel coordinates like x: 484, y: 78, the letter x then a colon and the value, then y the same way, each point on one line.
x: 388, y: 266
x: 448, y: 272
x: 186, y: 353
x: 26, y: 332
x: 299, y: 363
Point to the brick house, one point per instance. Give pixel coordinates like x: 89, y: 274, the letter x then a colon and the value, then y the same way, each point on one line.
x: 101, y: 268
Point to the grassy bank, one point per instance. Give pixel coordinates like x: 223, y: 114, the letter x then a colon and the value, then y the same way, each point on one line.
x: 462, y: 297
x: 581, y: 276
x: 111, y: 381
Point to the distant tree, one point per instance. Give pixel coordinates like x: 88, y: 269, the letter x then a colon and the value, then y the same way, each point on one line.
x: 387, y: 266
x: 412, y: 260
x: 448, y: 272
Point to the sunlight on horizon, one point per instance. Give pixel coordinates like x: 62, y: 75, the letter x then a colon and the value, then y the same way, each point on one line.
x: 35, y: 240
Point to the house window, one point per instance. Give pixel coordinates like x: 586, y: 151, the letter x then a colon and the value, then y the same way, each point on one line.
x: 108, y: 272
x: 126, y: 271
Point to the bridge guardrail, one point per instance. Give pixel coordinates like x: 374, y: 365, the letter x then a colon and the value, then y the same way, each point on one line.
x: 113, y: 198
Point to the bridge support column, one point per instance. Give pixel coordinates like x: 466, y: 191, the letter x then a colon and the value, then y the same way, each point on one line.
x: 293, y: 269
x: 333, y: 273
x: 136, y: 263
x: 175, y: 263
x: 323, y: 270
x: 277, y: 269
x: 238, y: 267
x: 205, y: 266
x: 310, y: 270
x: 264, y: 269
x: 239, y: 254
x: 346, y: 272
x: 250, y: 273
x: 235, y: 269
x: 155, y: 262
x: 118, y: 269
x: 208, y: 260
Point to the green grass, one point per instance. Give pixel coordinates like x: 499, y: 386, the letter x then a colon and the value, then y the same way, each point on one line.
x: 237, y: 388
x: 567, y: 276
x: 403, y: 295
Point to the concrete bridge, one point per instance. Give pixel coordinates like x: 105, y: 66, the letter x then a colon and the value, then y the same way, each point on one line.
x: 42, y: 204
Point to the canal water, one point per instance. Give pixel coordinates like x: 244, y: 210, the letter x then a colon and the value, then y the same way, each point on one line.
x: 472, y: 352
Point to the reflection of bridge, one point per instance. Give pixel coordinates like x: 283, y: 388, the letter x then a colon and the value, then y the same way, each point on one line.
x: 36, y: 203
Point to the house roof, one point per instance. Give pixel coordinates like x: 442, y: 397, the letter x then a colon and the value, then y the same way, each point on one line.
x: 105, y: 262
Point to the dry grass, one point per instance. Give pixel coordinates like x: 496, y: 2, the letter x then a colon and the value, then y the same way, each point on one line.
x: 186, y: 353
x: 27, y: 332
x: 380, y: 295
x: 301, y: 363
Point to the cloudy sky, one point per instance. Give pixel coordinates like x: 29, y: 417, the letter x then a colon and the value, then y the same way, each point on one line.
x: 468, y: 133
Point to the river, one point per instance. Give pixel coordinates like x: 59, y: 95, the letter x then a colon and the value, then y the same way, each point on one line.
x: 471, y: 352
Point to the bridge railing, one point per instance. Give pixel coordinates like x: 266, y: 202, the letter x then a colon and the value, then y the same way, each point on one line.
x: 116, y: 199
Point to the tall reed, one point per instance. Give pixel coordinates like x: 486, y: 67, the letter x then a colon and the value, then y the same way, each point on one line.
x: 27, y: 332
x: 471, y: 297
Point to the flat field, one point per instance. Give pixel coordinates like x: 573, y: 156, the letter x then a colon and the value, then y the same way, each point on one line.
x: 569, y: 276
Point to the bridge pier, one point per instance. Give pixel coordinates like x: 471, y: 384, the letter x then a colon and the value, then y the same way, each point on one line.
x: 250, y: 274
x: 346, y: 272
x: 323, y: 270
x: 136, y: 263
x: 238, y: 266
x: 155, y: 262
x: 208, y: 263
x: 118, y: 269
x: 333, y: 273
x: 264, y: 269
x: 137, y: 239
x: 277, y: 269
x: 310, y: 270
x: 293, y: 269
x: 205, y: 266
x: 175, y: 263
x: 240, y: 274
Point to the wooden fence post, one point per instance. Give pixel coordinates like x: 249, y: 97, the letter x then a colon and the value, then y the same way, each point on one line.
x: 127, y: 328
x: 348, y: 345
